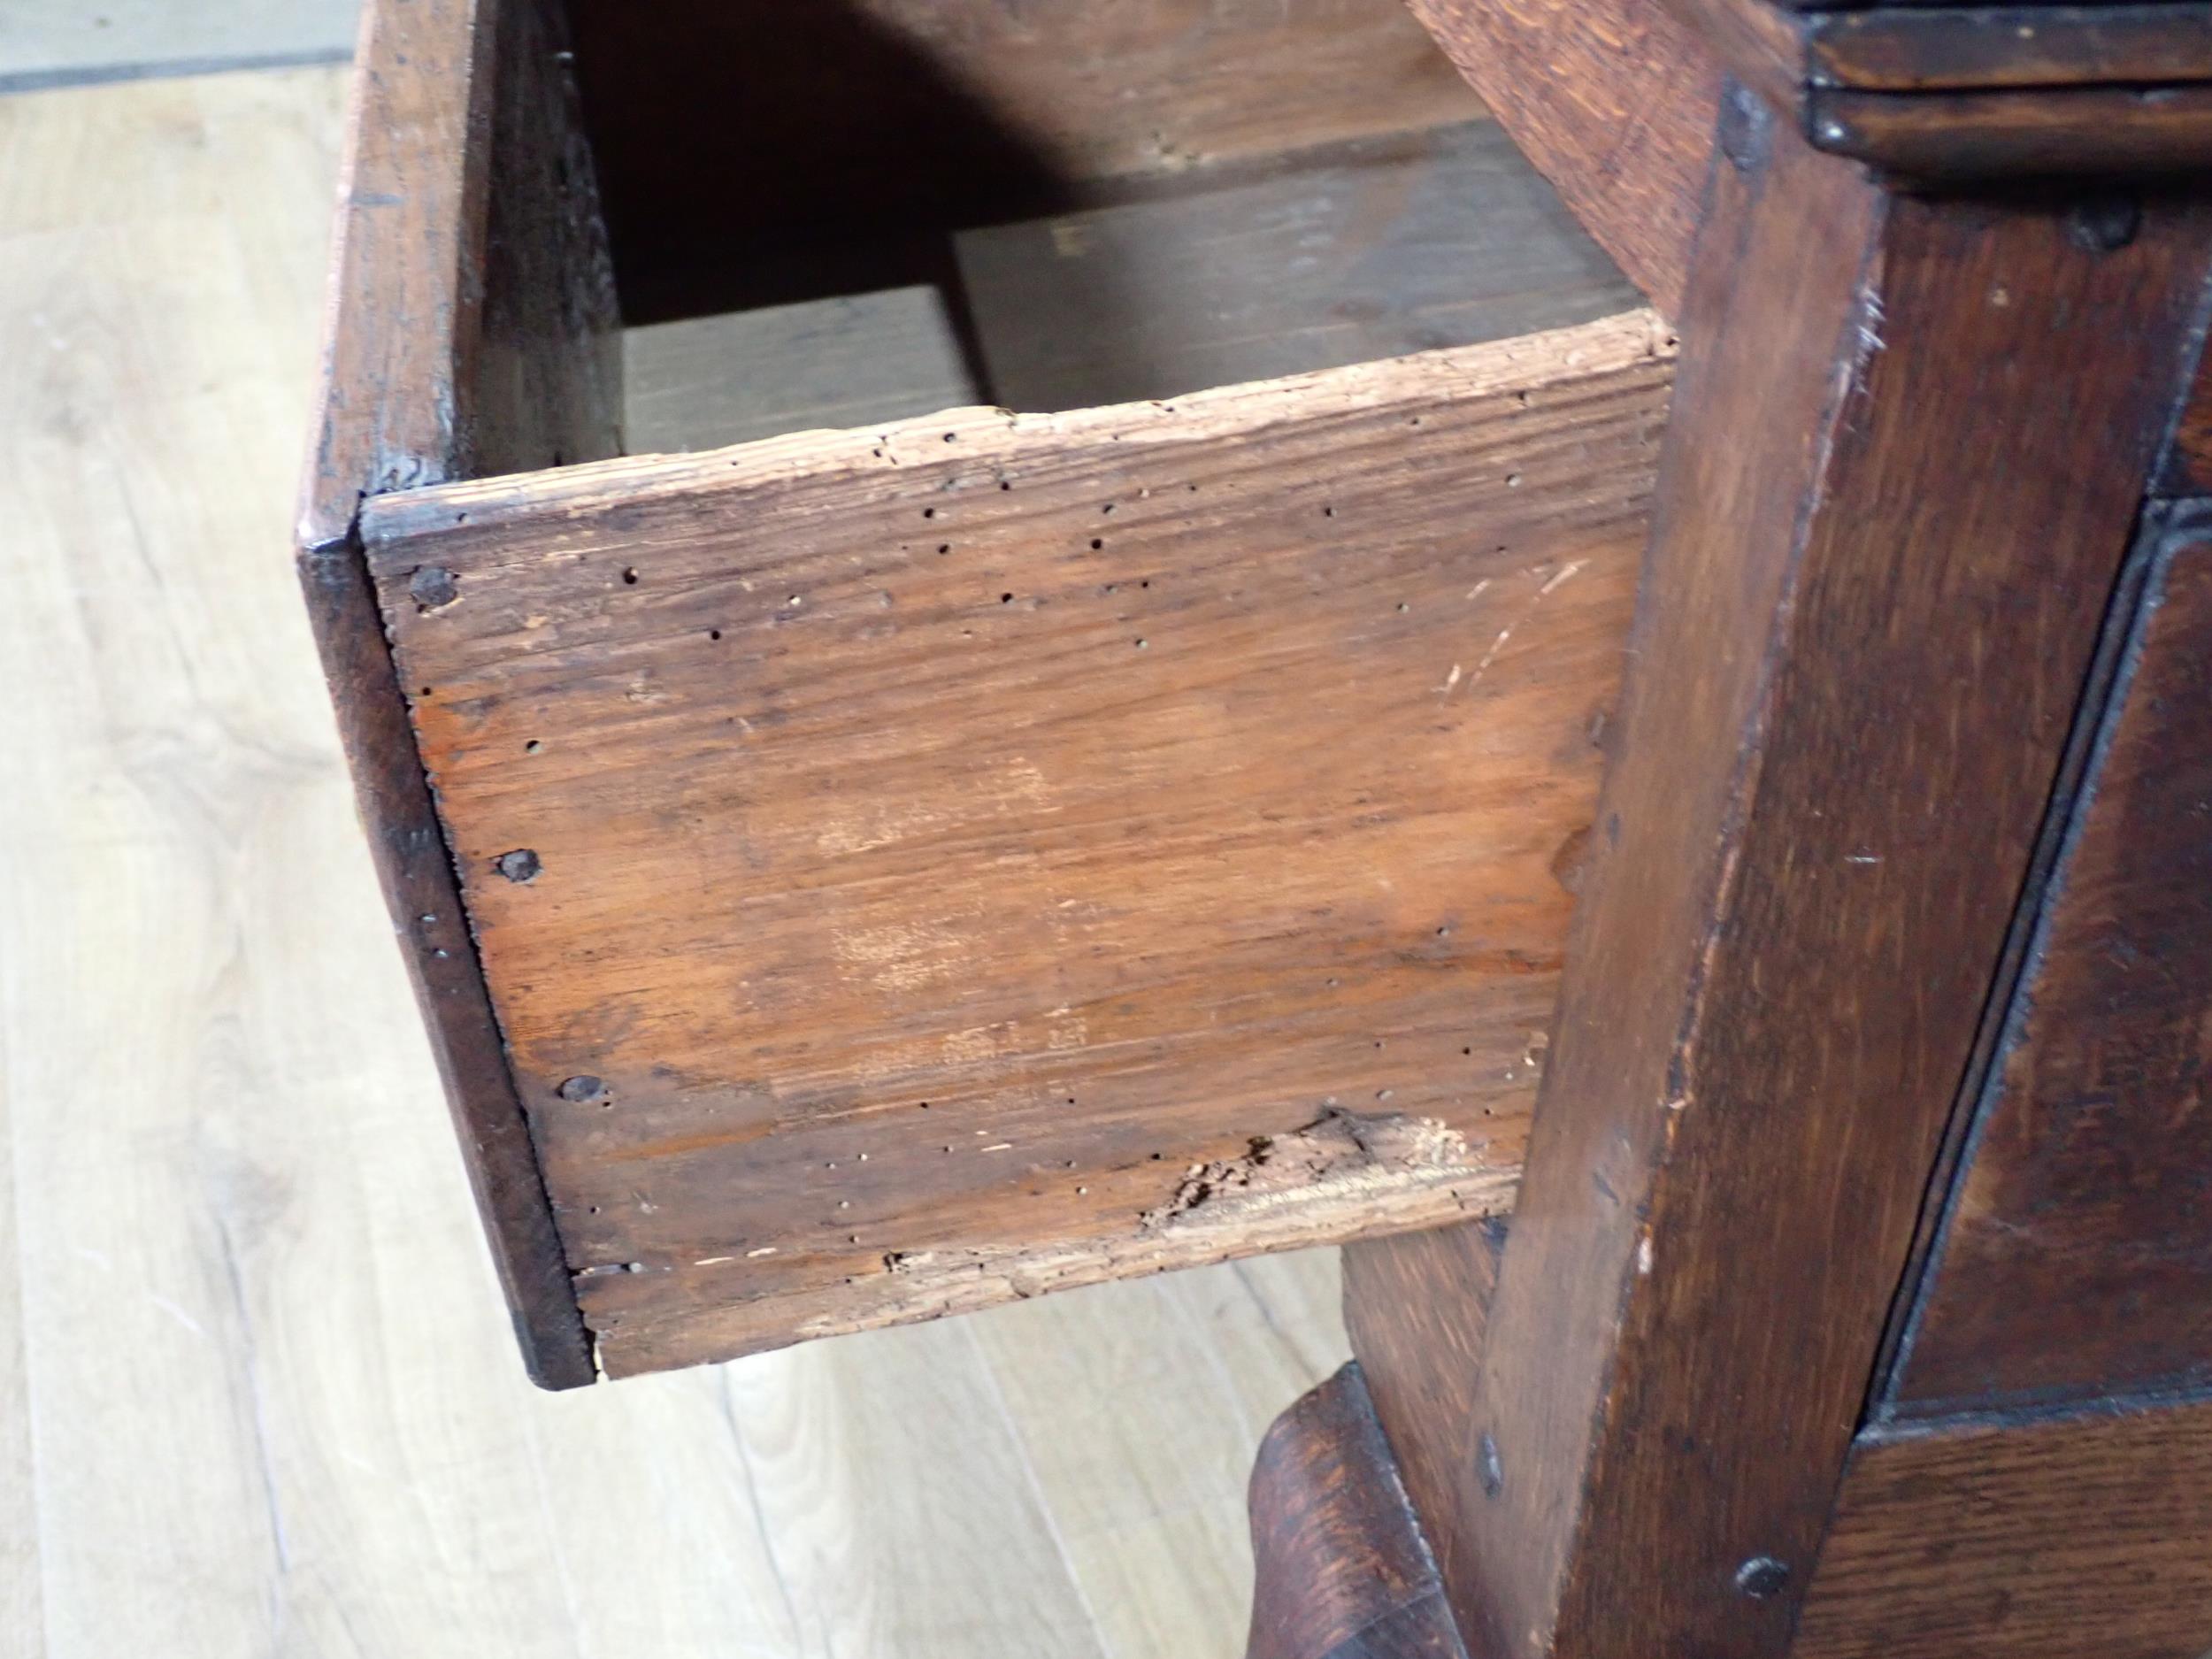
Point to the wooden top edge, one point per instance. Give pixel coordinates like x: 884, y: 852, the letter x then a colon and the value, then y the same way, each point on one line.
x: 1912, y: 48
x: 1975, y: 94
x: 1523, y: 361
x: 1975, y: 139
x: 327, y: 504
x: 1868, y: 7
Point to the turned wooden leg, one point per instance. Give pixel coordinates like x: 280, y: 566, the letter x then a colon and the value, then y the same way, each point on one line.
x: 1341, y: 1571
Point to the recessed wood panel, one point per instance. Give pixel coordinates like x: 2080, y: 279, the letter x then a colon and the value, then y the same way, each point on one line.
x: 924, y: 866
x: 2078, y: 1259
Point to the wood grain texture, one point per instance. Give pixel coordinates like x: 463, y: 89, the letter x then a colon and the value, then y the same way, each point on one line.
x: 267, y: 1401
x: 1342, y: 1571
x: 1156, y: 793
x: 1965, y: 137
x: 1372, y: 251
x: 1962, y: 96
x: 725, y: 127
x: 2077, y: 1262
x: 2186, y: 469
x: 471, y: 327
x: 2086, y: 1536
x: 264, y: 1368
x: 1789, y: 54
x: 1863, y: 632
x: 1135, y: 1497
x: 1613, y: 101
x: 544, y: 385
x: 408, y: 845
x: 1907, y: 48
x: 409, y: 222
x: 701, y: 382
x: 1423, y: 1357
x: 1760, y: 45
x: 1444, y: 241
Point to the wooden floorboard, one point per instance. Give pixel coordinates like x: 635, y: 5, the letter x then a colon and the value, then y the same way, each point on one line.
x: 255, y: 1391
x: 1149, y: 1556
x: 82, y: 40
x: 21, y: 1609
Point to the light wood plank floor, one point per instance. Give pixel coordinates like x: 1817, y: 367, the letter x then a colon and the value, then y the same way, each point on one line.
x: 71, y: 41
x: 256, y: 1396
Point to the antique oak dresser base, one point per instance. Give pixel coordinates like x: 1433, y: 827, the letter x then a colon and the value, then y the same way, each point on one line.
x: 1679, y: 832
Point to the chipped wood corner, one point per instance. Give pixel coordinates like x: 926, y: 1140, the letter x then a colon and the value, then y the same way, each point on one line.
x: 1341, y: 1153
x: 1346, y: 1177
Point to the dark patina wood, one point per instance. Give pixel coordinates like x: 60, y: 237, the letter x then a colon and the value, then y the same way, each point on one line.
x: 1423, y: 1357
x: 543, y: 384
x: 1926, y: 49
x: 1970, y: 137
x: 1868, y: 616
x: 2076, y: 1261
x: 1613, y: 101
x: 2186, y: 469
x: 408, y: 845
x: 1965, y: 49
x: 1964, y: 95
x: 2086, y: 1535
x: 1342, y: 1570
x: 410, y: 225
x: 470, y: 329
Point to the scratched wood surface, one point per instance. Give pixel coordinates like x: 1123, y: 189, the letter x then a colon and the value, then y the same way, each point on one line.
x: 924, y: 865
x: 256, y: 1391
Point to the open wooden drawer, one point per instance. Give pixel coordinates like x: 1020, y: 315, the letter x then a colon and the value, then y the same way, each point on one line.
x: 924, y: 859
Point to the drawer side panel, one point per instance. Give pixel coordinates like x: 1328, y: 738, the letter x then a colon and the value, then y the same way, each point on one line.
x: 919, y: 867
